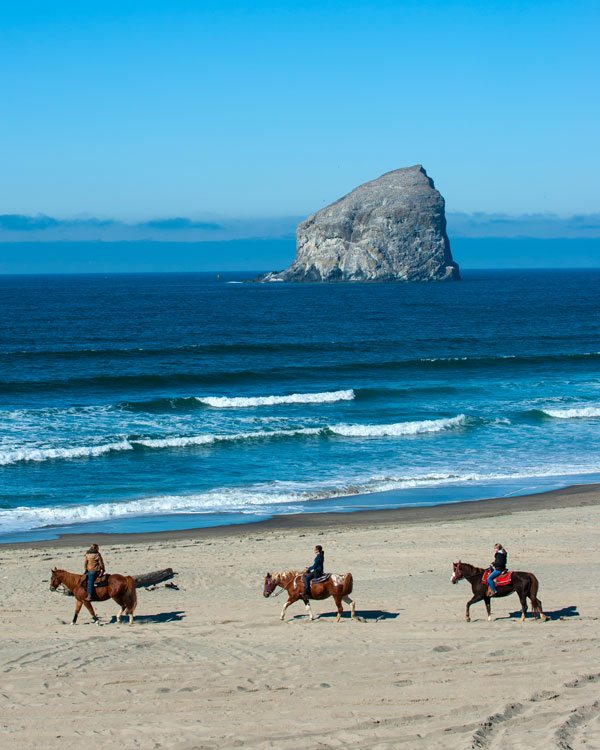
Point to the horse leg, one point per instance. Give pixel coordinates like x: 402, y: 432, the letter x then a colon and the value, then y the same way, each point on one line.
x: 486, y: 599
x: 340, y: 609
x: 90, y: 609
x: 523, y: 599
x: 308, y: 609
x: 349, y: 601
x: 473, y: 600
x: 285, y: 606
x: 78, y: 604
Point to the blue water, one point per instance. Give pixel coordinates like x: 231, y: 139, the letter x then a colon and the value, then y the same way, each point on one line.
x: 147, y: 402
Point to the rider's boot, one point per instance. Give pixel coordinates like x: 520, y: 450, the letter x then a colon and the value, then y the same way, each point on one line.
x: 490, y: 593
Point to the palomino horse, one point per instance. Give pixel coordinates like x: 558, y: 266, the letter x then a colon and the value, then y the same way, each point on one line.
x: 120, y: 588
x: 524, y: 584
x: 338, y: 586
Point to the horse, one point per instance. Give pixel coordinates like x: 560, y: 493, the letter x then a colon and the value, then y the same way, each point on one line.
x: 337, y: 586
x: 120, y: 588
x: 524, y: 584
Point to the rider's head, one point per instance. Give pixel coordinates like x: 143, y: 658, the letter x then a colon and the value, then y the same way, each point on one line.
x: 497, y: 546
x: 94, y: 548
x: 318, y: 548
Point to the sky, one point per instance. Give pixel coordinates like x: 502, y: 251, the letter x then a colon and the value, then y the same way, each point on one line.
x: 214, y: 113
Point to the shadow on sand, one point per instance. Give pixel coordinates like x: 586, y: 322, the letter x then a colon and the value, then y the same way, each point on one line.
x: 366, y: 615
x: 556, y: 614
x: 160, y: 617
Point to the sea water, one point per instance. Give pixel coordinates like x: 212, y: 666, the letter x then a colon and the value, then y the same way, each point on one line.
x: 146, y: 402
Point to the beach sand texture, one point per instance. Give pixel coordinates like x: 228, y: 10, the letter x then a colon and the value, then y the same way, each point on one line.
x: 212, y: 666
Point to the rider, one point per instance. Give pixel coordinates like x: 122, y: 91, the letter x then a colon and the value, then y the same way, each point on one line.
x: 499, y: 566
x: 315, y: 570
x: 94, y: 567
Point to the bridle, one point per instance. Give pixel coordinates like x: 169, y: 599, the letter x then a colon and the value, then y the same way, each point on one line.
x: 457, y: 574
x: 271, y: 585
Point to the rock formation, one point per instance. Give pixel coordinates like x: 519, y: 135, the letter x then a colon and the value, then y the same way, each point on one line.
x: 390, y: 229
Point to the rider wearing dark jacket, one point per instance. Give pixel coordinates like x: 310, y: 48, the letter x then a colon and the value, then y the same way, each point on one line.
x: 315, y: 570
x: 499, y: 565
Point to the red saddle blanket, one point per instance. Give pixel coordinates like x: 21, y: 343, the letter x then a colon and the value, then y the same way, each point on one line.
x: 503, y: 579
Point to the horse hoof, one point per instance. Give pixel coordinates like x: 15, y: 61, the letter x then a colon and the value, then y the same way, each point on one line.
x: 467, y: 619
x: 489, y: 618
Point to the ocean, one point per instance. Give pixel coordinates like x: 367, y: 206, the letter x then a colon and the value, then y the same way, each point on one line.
x: 143, y: 402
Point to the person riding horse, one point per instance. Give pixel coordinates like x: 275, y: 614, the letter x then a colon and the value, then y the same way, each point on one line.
x: 499, y: 566
x: 93, y: 567
x: 315, y: 570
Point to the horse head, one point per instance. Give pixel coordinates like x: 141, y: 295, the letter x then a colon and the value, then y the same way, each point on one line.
x: 54, y: 580
x: 269, y: 585
x: 457, y: 573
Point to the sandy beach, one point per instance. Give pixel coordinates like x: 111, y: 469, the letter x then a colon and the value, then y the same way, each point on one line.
x: 211, y: 665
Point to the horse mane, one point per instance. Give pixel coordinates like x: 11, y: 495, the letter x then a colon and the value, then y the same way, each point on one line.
x: 473, y: 568
x: 68, y: 579
x: 284, y: 575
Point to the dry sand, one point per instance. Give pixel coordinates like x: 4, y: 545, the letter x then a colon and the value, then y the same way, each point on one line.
x: 212, y: 666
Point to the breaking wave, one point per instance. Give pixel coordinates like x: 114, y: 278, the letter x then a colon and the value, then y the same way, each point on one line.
x: 579, y: 413
x: 276, y: 497
x: 398, y: 429
x: 236, y: 402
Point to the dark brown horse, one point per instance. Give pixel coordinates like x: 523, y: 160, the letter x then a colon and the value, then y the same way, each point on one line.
x: 337, y: 586
x: 120, y: 588
x: 524, y: 584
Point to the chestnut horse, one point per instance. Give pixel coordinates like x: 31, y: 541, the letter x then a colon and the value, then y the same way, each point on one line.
x: 524, y: 584
x: 337, y: 586
x: 120, y: 588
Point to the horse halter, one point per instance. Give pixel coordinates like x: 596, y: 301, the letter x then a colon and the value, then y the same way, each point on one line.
x: 457, y: 573
x: 269, y: 585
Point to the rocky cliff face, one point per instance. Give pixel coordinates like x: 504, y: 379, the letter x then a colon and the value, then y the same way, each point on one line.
x: 389, y: 229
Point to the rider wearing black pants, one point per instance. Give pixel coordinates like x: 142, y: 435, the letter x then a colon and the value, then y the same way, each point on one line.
x: 315, y: 570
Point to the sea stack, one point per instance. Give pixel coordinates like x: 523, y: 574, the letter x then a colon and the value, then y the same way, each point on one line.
x: 390, y: 229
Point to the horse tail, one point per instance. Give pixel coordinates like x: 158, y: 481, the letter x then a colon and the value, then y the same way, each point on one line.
x: 348, y: 584
x: 130, y: 596
x: 533, y: 594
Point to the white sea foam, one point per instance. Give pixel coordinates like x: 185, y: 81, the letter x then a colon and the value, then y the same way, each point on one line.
x: 581, y: 413
x: 284, y: 495
x: 90, y: 451
x: 46, y: 454
x: 398, y: 429
x: 238, y: 402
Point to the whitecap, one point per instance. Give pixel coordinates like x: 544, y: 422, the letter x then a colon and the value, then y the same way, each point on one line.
x: 239, y: 402
x: 398, y: 429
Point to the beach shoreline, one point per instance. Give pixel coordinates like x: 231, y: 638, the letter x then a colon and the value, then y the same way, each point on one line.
x: 572, y: 496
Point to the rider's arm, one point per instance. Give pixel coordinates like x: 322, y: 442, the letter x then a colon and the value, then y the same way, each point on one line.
x: 102, y: 570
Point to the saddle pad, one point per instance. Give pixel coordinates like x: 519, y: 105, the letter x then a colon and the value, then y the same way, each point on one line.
x: 99, y: 582
x: 503, y: 579
x: 321, y: 579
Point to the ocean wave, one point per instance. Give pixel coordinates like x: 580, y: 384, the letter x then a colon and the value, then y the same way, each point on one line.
x: 236, y: 402
x: 91, y: 451
x: 274, y: 497
x: 398, y: 429
x: 576, y: 413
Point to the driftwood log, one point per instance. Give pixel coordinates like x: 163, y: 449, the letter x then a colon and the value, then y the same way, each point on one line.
x: 144, y: 579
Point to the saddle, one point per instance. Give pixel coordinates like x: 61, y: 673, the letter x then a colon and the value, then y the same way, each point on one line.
x: 321, y: 579
x: 502, y: 580
x: 98, y: 583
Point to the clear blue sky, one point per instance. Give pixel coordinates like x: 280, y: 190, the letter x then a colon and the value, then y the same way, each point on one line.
x: 264, y: 108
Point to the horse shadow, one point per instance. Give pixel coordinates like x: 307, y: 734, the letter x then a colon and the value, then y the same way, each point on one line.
x: 157, y: 618
x: 365, y: 615
x: 556, y: 614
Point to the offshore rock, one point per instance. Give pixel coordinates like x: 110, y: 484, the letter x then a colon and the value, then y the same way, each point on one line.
x: 390, y: 229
